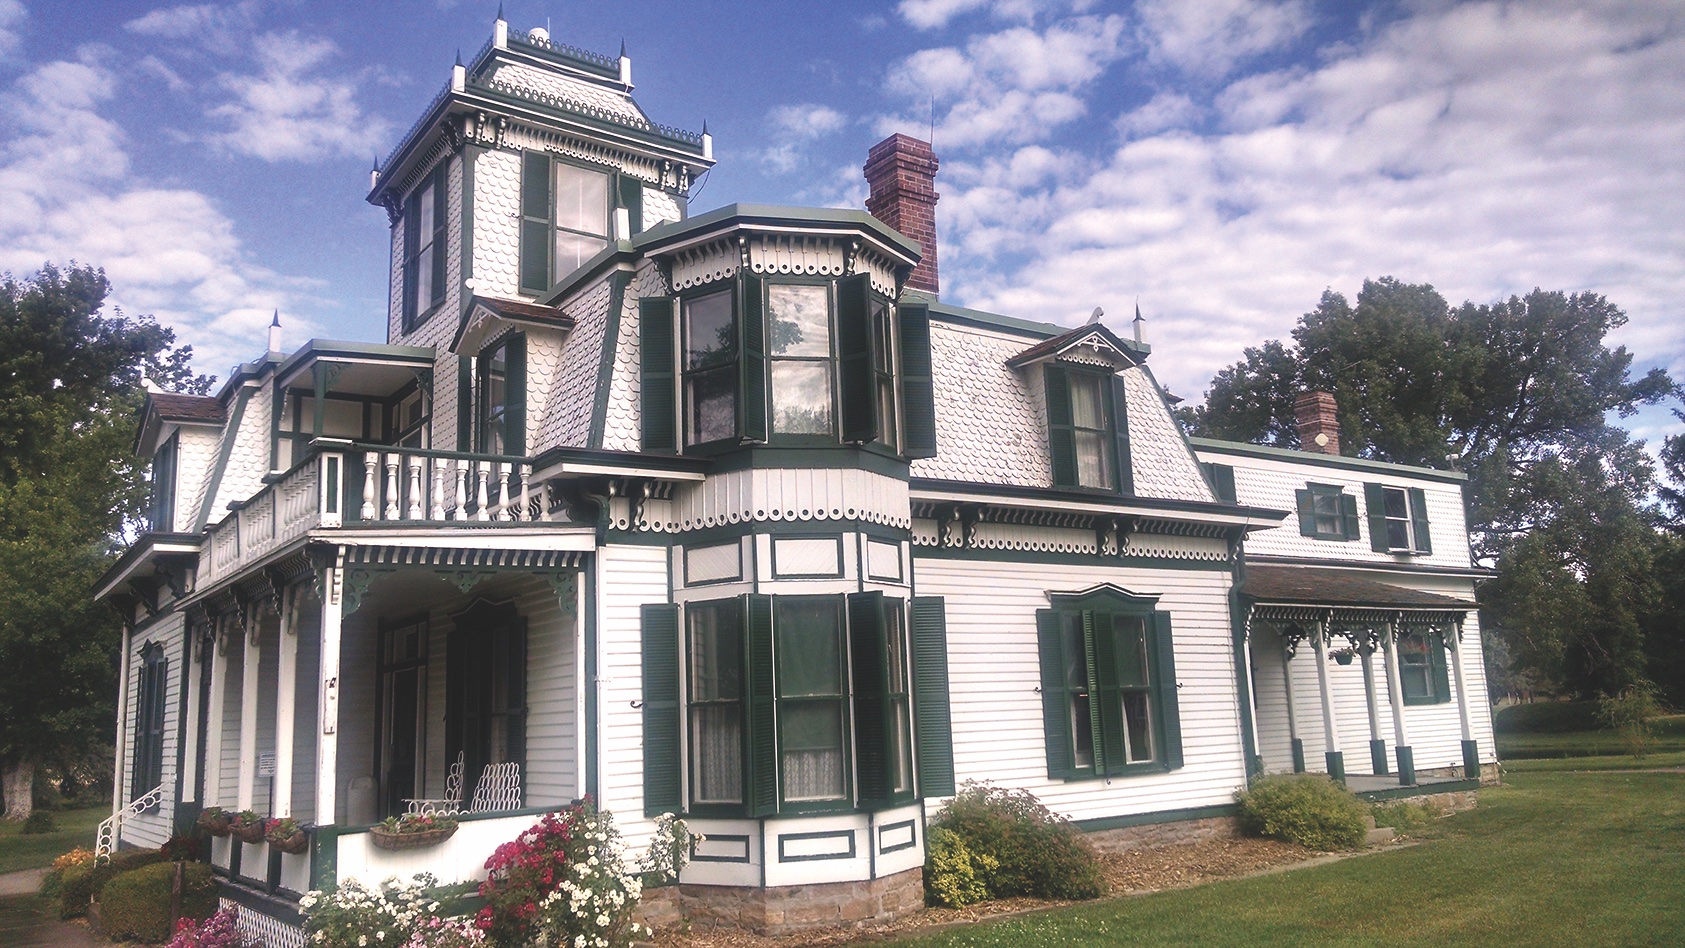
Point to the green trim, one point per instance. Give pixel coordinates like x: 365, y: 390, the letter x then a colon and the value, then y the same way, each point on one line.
x: 708, y: 536
x: 230, y: 434
x: 630, y: 459
x: 588, y: 574
x: 1468, y: 572
x: 1268, y: 453
x: 618, y: 282
x: 363, y: 351
x: 1160, y: 816
x: 1004, y: 494
x: 1242, y: 663
x: 986, y: 320
x: 828, y: 456
x: 1419, y: 790
x: 324, y: 857
x: 1086, y: 559
x: 470, y: 157
x: 822, y: 218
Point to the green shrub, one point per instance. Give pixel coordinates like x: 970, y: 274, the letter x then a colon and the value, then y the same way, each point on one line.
x: 1033, y: 851
x: 955, y: 876
x: 39, y: 821
x: 75, y: 887
x: 1546, y: 717
x: 1632, y: 713
x: 136, y: 904
x: 1405, y: 816
x: 1308, y: 809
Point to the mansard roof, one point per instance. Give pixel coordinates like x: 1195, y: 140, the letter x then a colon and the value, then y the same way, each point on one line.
x: 1311, y: 586
x: 186, y: 409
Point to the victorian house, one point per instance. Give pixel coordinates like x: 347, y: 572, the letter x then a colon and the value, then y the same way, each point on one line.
x: 727, y: 514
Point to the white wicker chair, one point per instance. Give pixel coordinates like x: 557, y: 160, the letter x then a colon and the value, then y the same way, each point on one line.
x: 450, y: 803
x: 499, y: 789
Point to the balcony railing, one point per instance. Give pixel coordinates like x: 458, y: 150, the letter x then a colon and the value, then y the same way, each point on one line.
x: 343, y: 483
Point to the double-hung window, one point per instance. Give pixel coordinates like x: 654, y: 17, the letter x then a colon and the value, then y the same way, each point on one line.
x: 716, y: 701
x: 164, y: 486
x: 150, y: 699
x: 1108, y: 687
x: 500, y: 397
x: 424, y: 248
x: 1327, y: 512
x: 883, y: 371
x: 710, y: 367
x: 800, y: 358
x: 1087, y: 429
x: 1422, y: 672
x: 811, y: 644
x: 565, y: 214
x: 1398, y: 519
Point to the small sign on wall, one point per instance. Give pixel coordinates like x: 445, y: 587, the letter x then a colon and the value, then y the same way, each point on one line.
x: 266, y: 765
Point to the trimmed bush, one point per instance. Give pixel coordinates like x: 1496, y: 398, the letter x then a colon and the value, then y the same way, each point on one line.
x: 1547, y: 717
x: 954, y: 875
x: 1034, y: 852
x: 1308, y: 809
x: 136, y: 904
x: 80, y: 882
x: 39, y: 821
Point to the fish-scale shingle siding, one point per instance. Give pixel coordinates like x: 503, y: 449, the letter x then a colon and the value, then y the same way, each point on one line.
x: 988, y: 427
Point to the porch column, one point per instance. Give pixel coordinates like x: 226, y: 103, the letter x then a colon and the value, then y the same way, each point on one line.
x: 251, y: 664
x: 327, y: 735
x: 286, y: 692
x: 193, y: 670
x: 1330, y: 726
x: 1377, y: 746
x: 1298, y: 745
x: 1471, y: 749
x: 217, y: 667
x: 124, y: 771
x: 1395, y: 692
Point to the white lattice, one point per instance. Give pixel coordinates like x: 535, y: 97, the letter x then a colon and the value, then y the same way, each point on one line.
x: 262, y: 929
x: 499, y: 789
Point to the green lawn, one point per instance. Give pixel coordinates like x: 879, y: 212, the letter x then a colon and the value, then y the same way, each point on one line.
x: 1669, y: 732
x: 75, y: 828
x: 1549, y: 859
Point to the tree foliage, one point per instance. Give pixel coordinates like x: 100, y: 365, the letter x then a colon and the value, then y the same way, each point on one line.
x: 70, y: 384
x: 1518, y: 394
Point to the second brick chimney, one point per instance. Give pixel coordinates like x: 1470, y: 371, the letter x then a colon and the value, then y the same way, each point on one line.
x: 1316, y: 416
x: 901, y: 172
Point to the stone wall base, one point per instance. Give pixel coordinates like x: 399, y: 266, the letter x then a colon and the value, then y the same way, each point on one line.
x: 1146, y: 836
x: 783, y: 909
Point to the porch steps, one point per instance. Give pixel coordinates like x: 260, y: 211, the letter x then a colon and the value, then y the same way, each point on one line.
x: 1377, y: 834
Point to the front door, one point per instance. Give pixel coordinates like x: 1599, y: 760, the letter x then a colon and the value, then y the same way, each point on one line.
x: 403, y: 689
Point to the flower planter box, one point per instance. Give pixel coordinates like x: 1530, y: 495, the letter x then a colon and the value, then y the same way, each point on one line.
x: 386, y: 839
x: 247, y: 832
x: 214, y: 825
x: 292, y: 845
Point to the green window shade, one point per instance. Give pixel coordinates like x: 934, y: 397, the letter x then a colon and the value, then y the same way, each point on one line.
x: 1061, y: 433
x: 1348, y: 513
x: 1120, y: 428
x: 658, y: 387
x: 464, y: 403
x: 868, y: 652
x: 1222, y: 481
x: 1169, y: 710
x: 918, y: 395
x: 1420, y: 534
x: 1054, y: 700
x: 751, y: 299
x: 934, y: 727
x: 537, y: 223
x: 662, y: 782
x: 854, y: 352
x: 436, y: 266
x: 1375, y: 503
x: 515, y: 394
x: 630, y: 194
x: 762, y: 702
x: 1305, y: 506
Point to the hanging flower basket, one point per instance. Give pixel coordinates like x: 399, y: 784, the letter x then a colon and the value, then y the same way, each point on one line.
x: 287, y: 836
x: 215, y: 820
x: 412, y: 831
x: 247, y: 827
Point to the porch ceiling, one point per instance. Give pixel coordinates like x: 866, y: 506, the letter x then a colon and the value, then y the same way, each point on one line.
x: 1310, y: 586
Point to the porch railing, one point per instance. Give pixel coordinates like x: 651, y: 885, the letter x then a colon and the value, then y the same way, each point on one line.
x: 105, y: 838
x: 342, y: 483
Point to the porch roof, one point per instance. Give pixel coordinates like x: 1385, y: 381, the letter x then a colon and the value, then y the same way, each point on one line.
x: 1311, y: 586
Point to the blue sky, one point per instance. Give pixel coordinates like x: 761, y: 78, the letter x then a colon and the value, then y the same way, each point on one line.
x: 1224, y: 161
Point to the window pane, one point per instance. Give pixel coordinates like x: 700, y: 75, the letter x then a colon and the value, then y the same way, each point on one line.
x: 812, y: 750
x: 1076, y: 656
x: 713, y: 405
x: 572, y: 250
x: 710, y: 331
x: 897, y: 644
x: 1131, y: 651
x: 716, y: 714
x: 422, y: 253
x: 1088, y: 408
x: 901, y: 754
x: 801, y: 397
x: 716, y: 751
x: 716, y: 654
x: 581, y: 201
x: 1398, y: 535
x: 809, y: 647
x: 1082, y: 732
x: 1395, y: 504
x: 883, y: 334
x: 1137, y: 726
x: 800, y: 320
x: 1094, y: 468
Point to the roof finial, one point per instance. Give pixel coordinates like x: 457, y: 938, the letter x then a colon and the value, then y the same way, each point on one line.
x: 275, y: 332
x: 459, y: 55
x: 1094, y: 317
x: 623, y: 48
x: 1139, y: 321
x: 500, y: 10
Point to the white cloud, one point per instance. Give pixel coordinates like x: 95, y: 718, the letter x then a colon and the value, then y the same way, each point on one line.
x: 67, y: 193
x: 794, y: 127
x: 935, y: 14
x: 12, y: 15
x: 289, y: 112
x: 1486, y: 148
x: 1211, y: 37
x: 223, y: 28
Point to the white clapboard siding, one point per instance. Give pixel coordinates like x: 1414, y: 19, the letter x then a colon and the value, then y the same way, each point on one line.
x: 152, y: 828
x: 628, y: 577
x: 1271, y: 482
x: 268, y: 681
x: 552, y: 728
x: 228, y: 771
x: 994, y: 672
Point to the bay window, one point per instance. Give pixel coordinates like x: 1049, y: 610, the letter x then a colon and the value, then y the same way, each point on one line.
x: 716, y: 701
x: 812, y: 698
x: 799, y: 353
x: 710, y: 367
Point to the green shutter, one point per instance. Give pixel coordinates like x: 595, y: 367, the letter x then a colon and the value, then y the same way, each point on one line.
x: 1120, y: 429
x: 436, y: 266
x: 1222, y: 481
x: 1436, y: 665
x: 751, y: 328
x: 762, y: 699
x: 515, y: 685
x: 868, y: 659
x: 515, y: 394
x: 855, y: 375
x: 1348, y: 514
x: 1106, y: 710
x: 464, y: 403
x: 932, y: 721
x: 662, y: 727
x: 1169, y: 711
x: 537, y: 222
x: 918, y: 394
x: 1375, y: 502
x: 1421, y: 535
x: 1061, y: 436
x: 631, y: 197
x: 412, y: 237
x: 658, y: 387
x: 1305, y: 502
x: 1053, y: 699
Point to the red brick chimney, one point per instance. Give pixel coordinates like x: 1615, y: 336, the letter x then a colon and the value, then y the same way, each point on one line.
x: 1316, y: 416
x: 901, y: 173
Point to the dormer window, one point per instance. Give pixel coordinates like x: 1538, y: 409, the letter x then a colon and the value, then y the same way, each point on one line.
x: 565, y: 213
x: 424, y: 249
x: 1085, y: 437
x: 164, y: 487
x: 500, y: 398
x: 1398, y: 519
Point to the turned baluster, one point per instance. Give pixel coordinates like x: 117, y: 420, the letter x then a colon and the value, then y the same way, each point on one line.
x: 525, y: 471
x: 415, y: 508
x: 506, y: 484
x: 460, y: 510
x: 480, y: 491
x: 369, y: 463
x: 438, y: 507
x: 390, y: 511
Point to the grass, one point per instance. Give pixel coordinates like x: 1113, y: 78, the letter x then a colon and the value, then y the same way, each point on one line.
x: 1669, y: 734
x: 75, y: 828
x: 1549, y: 859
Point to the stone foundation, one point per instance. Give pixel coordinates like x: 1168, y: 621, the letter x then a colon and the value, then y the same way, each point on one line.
x: 783, y: 909
x: 1146, y: 836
